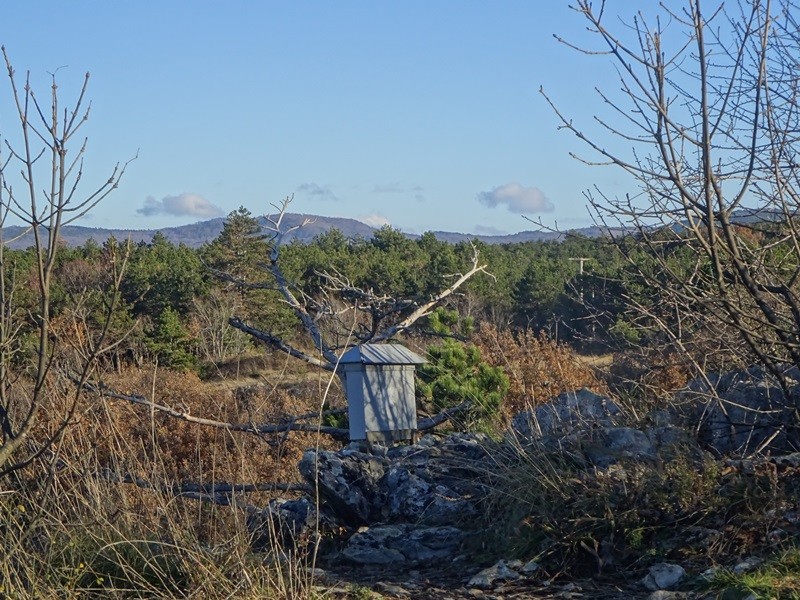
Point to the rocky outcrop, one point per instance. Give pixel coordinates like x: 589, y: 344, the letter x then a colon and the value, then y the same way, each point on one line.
x: 407, y: 505
x: 745, y: 412
x: 410, y: 504
x: 587, y: 427
x: 403, y: 544
x: 566, y: 413
x: 421, y: 506
x: 433, y: 482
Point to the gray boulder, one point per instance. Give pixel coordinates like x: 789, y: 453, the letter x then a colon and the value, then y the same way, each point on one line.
x: 413, y: 498
x: 283, y: 523
x: 433, y: 482
x: 663, y: 576
x: 566, y: 413
x: 402, y: 545
x: 609, y: 445
x: 587, y: 428
x: 347, y: 482
x: 745, y: 412
x: 489, y: 577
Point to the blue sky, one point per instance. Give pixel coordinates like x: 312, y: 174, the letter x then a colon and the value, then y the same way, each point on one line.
x: 424, y: 115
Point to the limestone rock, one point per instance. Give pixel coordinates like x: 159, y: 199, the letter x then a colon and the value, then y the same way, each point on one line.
x: 565, y: 413
x: 283, y: 523
x: 347, y: 482
x: 667, y: 595
x: 743, y: 412
x: 747, y: 565
x: 493, y: 575
x: 402, y: 545
x: 609, y: 445
x: 663, y: 576
x: 529, y: 568
x: 433, y: 482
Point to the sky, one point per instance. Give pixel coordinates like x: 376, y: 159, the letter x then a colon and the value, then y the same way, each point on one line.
x: 421, y: 115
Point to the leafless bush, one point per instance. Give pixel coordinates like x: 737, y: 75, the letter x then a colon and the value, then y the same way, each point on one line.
x: 539, y: 369
x: 705, y: 123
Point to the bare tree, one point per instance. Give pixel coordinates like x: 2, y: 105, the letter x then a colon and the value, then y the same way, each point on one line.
x: 705, y: 121
x: 344, y: 315
x: 45, y: 161
x: 216, y: 339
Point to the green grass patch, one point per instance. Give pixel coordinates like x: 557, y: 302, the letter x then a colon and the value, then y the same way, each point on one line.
x: 778, y: 579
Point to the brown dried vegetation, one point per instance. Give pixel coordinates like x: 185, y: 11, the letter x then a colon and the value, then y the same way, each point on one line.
x: 189, y: 452
x: 538, y: 368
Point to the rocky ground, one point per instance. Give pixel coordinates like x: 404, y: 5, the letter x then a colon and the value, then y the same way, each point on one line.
x: 415, y: 521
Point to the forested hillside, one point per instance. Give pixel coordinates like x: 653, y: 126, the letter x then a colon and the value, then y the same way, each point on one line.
x: 197, y: 234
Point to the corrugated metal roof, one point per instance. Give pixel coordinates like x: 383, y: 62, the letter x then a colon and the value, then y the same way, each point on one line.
x: 381, y: 354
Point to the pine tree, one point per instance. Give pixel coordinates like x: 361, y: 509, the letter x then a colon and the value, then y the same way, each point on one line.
x: 456, y: 373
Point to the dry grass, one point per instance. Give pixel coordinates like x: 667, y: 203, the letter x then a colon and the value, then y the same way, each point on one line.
x: 679, y: 507
x: 585, y: 521
x: 124, y: 434
x: 538, y: 368
x: 75, y: 537
x: 597, y: 361
x: 70, y: 529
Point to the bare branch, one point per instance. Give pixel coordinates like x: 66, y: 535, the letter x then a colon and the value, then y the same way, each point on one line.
x: 426, y: 308
x: 317, y: 314
x: 291, y: 424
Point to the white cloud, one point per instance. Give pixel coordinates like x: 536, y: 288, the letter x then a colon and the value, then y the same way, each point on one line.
x: 400, y: 188
x: 317, y: 192
x: 184, y: 205
x: 517, y: 199
x: 375, y: 220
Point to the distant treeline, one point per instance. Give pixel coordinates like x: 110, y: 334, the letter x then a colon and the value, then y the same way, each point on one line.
x: 175, y: 301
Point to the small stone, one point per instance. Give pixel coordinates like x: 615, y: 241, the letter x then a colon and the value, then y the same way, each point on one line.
x: 571, y: 587
x: 494, y: 574
x: 390, y: 588
x: 747, y: 565
x: 317, y: 573
x: 708, y: 575
x: 667, y: 595
x: 776, y: 535
x: 663, y: 576
x: 530, y: 567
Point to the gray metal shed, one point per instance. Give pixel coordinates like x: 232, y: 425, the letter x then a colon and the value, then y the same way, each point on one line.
x: 379, y: 384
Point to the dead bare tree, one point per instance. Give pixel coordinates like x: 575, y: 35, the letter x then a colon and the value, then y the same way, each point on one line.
x: 46, y: 158
x: 706, y: 125
x: 344, y: 311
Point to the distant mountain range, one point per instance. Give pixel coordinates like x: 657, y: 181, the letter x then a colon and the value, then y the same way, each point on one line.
x: 197, y: 234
